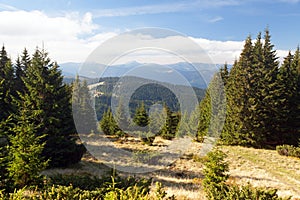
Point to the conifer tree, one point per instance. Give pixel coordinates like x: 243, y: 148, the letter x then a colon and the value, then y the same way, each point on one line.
x: 295, y: 107
x: 7, y: 75
x: 22, y: 63
x: 25, y: 150
x: 3, y: 143
x: 268, y: 86
x: 83, y: 111
x: 108, y: 124
x: 141, y: 117
x: 288, y: 101
x: 121, y: 118
x: 236, y: 87
x: 204, y: 117
x: 157, y: 120
x: 51, y: 110
x: 171, y: 124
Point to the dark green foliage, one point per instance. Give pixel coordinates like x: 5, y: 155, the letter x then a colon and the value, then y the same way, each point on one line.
x: 4, y: 157
x: 170, y: 127
x: 212, y: 108
x: 262, y: 97
x: 288, y: 150
x: 108, y: 124
x: 150, y: 94
x: 86, y: 187
x: 25, y: 151
x: 51, y: 109
x: 20, y: 70
x: 141, y: 117
x: 67, y: 151
x: 250, y: 193
x: 83, y: 111
x: 215, y: 173
x: 154, y: 93
x: 7, y: 88
x: 121, y: 119
x: 147, y: 138
x: 205, y: 117
x: 289, y: 99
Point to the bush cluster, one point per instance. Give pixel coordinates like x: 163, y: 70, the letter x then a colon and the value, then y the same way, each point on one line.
x: 288, y: 150
x: 78, y: 187
x: 216, y: 188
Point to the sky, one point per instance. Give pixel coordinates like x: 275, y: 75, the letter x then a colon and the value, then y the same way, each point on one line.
x: 71, y: 29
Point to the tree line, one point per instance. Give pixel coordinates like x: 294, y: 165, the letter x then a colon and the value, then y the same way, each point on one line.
x: 36, y: 124
x: 262, y: 97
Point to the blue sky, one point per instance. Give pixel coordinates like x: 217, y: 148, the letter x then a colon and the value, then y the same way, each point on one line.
x: 80, y: 25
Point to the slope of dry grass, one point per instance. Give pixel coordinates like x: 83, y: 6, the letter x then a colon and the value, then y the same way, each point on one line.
x: 264, y: 168
x: 261, y: 168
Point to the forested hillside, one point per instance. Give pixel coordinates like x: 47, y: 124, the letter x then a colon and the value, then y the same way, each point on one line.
x: 36, y: 123
x: 150, y: 94
x: 263, y: 97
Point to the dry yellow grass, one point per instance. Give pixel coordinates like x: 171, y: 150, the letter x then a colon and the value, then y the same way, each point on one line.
x: 264, y: 168
x: 261, y: 168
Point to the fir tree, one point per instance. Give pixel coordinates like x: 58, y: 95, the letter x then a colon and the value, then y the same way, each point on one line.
x: 295, y: 107
x: 20, y: 70
x: 171, y: 124
x: 7, y: 86
x: 204, y: 117
x: 108, y: 124
x: 141, y: 117
x: 215, y: 172
x: 236, y: 89
x: 51, y: 110
x: 121, y: 118
x: 25, y: 150
x: 83, y: 111
x: 268, y: 86
x: 157, y: 120
x: 289, y: 100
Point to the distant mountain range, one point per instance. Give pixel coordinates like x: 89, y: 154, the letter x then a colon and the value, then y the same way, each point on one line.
x: 182, y: 73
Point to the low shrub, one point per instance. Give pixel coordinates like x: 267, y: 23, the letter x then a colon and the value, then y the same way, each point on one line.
x: 288, y: 150
x: 216, y: 188
x: 73, y: 188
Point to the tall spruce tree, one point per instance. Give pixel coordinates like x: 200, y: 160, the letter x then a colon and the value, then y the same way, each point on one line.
x: 295, y: 110
x: 22, y: 63
x: 170, y: 127
x: 237, y: 85
x: 108, y: 124
x: 287, y: 81
x: 141, y: 117
x: 268, y: 127
x: 3, y: 143
x: 289, y: 102
x: 213, y: 107
x: 204, y: 117
x: 25, y: 149
x: 7, y: 76
x: 83, y: 110
x: 51, y: 110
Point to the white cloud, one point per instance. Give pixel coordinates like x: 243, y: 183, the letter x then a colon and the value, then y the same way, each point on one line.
x: 71, y: 38
x: 62, y: 36
x: 215, y: 19
x: 141, y: 10
x: 221, y: 51
x: 164, y: 8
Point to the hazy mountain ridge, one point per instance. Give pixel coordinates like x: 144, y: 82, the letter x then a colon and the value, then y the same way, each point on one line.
x: 196, y: 74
